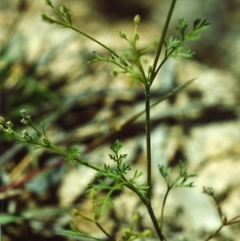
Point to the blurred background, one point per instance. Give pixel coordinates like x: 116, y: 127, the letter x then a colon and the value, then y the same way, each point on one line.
x: 44, y: 69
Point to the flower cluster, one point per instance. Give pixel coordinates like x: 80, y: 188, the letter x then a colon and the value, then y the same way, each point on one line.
x: 6, y: 126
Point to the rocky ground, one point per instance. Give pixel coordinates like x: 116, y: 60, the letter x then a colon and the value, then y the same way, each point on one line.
x: 44, y: 70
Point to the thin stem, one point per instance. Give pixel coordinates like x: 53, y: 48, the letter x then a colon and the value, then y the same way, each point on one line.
x: 212, y: 235
x: 104, y: 231
x: 148, y: 139
x: 68, y: 24
x: 163, y: 206
x: 137, y: 60
x: 94, y: 40
x: 161, y: 41
x: 60, y: 15
x: 149, y: 163
x: 169, y: 187
x: 232, y: 220
x: 65, y: 154
x: 163, y: 61
x: 155, y: 222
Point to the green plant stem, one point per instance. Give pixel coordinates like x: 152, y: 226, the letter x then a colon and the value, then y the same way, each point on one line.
x: 232, y: 220
x: 148, y: 140
x: 161, y: 41
x: 163, y: 206
x: 223, y: 225
x: 68, y: 24
x: 163, y: 61
x: 94, y: 40
x: 169, y: 188
x: 65, y: 154
x: 138, y: 62
x: 155, y: 222
x: 149, y: 163
x: 104, y: 231
x: 212, y: 235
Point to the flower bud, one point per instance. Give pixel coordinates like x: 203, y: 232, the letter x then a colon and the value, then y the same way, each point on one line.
x: 224, y: 219
x: 63, y: 9
x: 24, y: 133
x: 147, y: 233
x: 122, y: 34
x: 66, y: 12
x: 96, y: 216
x: 47, y: 18
x: 135, y: 218
x: 24, y: 121
x: 45, y: 141
x: 8, y: 131
x: 1, y: 119
x: 74, y: 212
x: 25, y: 115
x: 49, y: 3
x: 150, y: 69
x: 137, y: 19
x: 136, y: 37
x: 9, y: 124
x: 114, y: 72
x: 127, y: 231
x: 208, y: 190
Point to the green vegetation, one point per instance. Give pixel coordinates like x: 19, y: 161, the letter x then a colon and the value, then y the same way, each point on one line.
x: 121, y: 175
